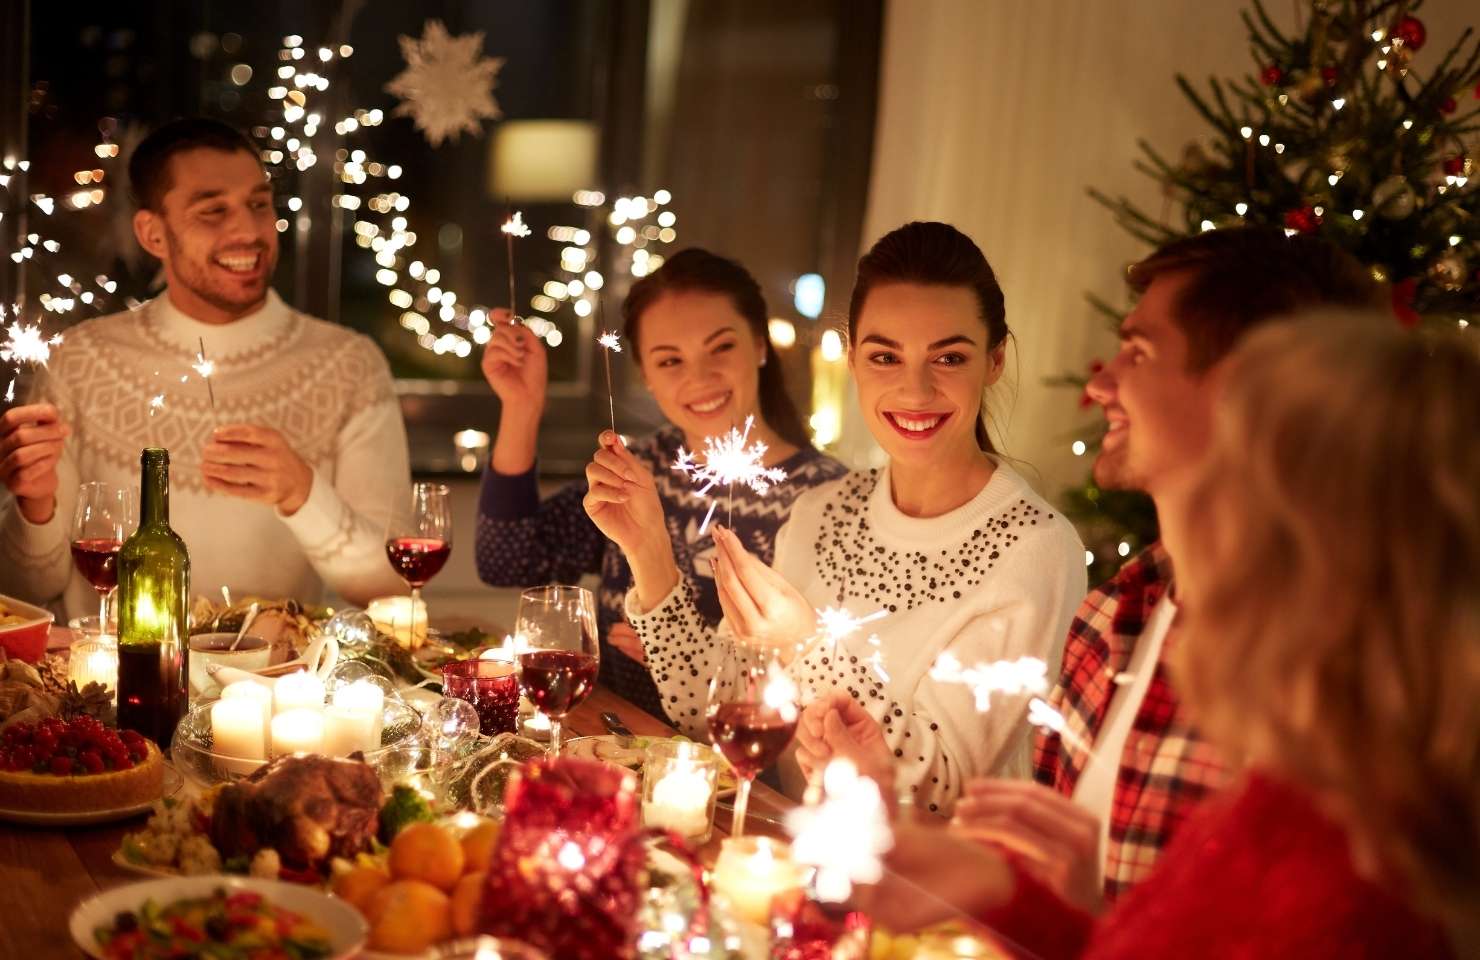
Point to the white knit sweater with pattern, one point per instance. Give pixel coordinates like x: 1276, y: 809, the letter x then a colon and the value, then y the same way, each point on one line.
x: 996, y: 579
x: 327, y: 389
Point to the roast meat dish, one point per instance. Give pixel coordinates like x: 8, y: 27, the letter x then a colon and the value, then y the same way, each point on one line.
x: 308, y: 808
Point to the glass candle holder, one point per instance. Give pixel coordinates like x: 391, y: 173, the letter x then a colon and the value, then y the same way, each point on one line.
x: 491, y: 686
x: 94, y: 659
x: 679, y: 786
x: 751, y: 872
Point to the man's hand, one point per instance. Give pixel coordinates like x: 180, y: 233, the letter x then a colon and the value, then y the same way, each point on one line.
x: 1058, y: 840
x: 31, y: 439
x: 256, y: 463
x: 624, y: 638
x: 837, y: 726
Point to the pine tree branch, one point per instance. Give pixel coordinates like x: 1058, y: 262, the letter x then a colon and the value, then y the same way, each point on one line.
x: 1226, y: 124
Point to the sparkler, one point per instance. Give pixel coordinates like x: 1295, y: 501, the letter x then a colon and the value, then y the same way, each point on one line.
x: 205, y: 368
x: 1011, y: 677
x: 844, y: 834
x: 513, y: 227
x: 612, y: 344
x: 838, y: 624
x: 24, y: 343
x: 728, y: 460
x: 1044, y: 716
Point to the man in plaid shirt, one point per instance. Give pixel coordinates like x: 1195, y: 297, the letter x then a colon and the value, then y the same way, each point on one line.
x: 1112, y: 790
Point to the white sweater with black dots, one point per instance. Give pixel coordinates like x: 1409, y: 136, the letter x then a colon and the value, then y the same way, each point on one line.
x: 995, y: 579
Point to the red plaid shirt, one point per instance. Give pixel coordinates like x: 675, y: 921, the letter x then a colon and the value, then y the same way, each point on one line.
x: 1166, y: 768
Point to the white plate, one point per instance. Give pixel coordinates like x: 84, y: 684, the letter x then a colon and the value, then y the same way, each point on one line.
x: 48, y: 818
x: 347, y: 930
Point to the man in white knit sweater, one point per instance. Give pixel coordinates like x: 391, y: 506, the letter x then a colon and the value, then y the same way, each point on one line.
x: 286, y: 483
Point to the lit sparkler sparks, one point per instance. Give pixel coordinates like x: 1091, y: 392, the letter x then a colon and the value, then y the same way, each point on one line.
x: 513, y: 227
x: 205, y: 368
x: 156, y: 403
x: 844, y: 834
x: 24, y: 343
x: 838, y: 624
x: 1010, y: 677
x: 612, y: 344
x: 727, y: 460
x: 1044, y: 716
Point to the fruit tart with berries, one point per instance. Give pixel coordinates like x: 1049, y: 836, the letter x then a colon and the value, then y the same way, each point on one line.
x: 77, y: 765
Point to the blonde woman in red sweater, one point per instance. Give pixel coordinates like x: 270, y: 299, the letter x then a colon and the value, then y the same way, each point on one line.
x: 1330, y: 644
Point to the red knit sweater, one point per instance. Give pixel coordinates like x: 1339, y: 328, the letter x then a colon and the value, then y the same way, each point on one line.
x: 1256, y: 873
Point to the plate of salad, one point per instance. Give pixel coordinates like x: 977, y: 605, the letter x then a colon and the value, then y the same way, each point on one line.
x: 217, y: 917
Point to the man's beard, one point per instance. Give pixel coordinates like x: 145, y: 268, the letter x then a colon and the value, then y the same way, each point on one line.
x: 195, y: 277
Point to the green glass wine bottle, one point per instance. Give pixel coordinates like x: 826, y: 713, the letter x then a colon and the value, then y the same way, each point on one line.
x: 153, y: 606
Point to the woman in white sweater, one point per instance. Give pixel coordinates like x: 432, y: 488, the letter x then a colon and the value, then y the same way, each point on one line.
x: 947, y: 540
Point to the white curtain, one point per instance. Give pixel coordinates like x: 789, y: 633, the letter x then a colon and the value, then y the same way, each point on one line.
x: 995, y: 115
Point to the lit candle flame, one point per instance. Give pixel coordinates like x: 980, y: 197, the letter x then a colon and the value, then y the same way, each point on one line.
x: 844, y: 833
x: 727, y: 460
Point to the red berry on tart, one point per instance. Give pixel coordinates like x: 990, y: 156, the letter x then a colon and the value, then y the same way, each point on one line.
x: 76, y: 766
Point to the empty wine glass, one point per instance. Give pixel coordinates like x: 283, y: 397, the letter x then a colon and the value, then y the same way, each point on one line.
x: 752, y: 714
x: 418, y: 544
x: 555, y: 637
x: 105, y: 516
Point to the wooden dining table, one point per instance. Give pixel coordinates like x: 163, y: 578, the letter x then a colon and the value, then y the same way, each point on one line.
x: 46, y: 871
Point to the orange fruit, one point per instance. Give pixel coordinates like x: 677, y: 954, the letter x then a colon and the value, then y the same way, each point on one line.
x: 478, y: 844
x: 408, y: 917
x: 358, y: 884
x: 467, y: 898
x: 424, y: 851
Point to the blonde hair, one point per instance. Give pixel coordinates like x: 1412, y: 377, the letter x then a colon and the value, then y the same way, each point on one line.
x: 1332, y: 626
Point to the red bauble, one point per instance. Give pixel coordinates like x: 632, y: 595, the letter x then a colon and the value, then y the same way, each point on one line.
x: 1328, y: 74
x: 1412, y: 32
x: 1454, y: 166
x: 1304, y: 220
x: 1403, y: 293
x: 1271, y: 76
x: 1448, y: 106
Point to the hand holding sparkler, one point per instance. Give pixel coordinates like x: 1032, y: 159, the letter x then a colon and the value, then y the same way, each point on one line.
x: 610, y: 344
x: 759, y: 605
x: 31, y: 442
x: 838, y: 726
x: 1056, y: 839
x: 513, y: 227
x: 622, y: 500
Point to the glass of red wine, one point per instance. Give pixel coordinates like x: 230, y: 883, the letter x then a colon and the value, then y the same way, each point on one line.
x: 752, y: 714
x: 557, y: 652
x: 106, y: 515
x: 418, y: 544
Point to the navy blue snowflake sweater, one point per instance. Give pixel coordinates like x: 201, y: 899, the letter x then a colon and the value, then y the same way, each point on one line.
x: 524, y: 542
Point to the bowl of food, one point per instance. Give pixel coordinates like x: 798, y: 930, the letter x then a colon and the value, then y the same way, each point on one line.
x: 24, y: 629
x: 180, y: 915
x: 196, y: 757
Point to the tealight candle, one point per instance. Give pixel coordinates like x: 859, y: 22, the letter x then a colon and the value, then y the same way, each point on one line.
x: 298, y: 691
x: 679, y: 788
x: 237, y: 731
x: 353, y: 719
x: 751, y: 872
x: 399, y: 618
x: 94, y: 660
x: 298, y: 731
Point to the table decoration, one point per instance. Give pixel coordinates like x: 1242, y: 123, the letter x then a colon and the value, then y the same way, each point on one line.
x: 298, y: 691
x: 492, y: 688
x: 400, y: 618
x: 239, y: 731
x: 353, y: 718
x: 750, y: 873
x: 94, y: 659
x: 300, y: 730
x: 679, y: 786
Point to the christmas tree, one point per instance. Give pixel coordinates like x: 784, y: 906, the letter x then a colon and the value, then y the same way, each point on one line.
x: 1343, y: 129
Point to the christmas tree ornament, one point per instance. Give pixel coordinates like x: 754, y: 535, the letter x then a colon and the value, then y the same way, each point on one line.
x: 1411, y: 31
x: 1457, y: 165
x: 1448, y: 106
x: 1448, y: 270
x: 1271, y: 75
x: 1329, y: 76
x: 1302, y: 220
x: 1394, y: 198
x: 447, y: 86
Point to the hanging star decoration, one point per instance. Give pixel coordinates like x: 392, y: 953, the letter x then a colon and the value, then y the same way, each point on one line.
x: 728, y: 461
x: 447, y: 86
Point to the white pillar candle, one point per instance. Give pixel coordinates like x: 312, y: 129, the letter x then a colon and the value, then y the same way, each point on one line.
x: 752, y: 871
x: 298, y: 731
x: 237, y: 731
x: 353, y: 720
x: 250, y: 691
x: 679, y: 801
x: 298, y: 691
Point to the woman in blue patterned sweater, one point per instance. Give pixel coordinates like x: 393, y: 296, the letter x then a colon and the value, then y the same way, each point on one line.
x: 697, y: 330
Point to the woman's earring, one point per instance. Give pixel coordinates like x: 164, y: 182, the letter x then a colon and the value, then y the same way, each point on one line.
x: 764, y: 358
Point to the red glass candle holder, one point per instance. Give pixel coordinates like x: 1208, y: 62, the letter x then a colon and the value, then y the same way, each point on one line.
x: 564, y: 875
x: 491, y: 687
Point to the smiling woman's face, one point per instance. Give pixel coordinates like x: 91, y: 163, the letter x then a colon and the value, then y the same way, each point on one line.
x: 701, y: 362
x: 922, y: 363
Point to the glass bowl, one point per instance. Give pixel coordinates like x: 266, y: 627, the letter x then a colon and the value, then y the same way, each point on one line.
x: 203, y: 768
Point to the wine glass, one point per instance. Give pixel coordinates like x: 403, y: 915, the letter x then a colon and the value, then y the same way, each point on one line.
x: 557, y: 652
x: 104, y: 518
x: 752, y: 714
x: 418, y: 544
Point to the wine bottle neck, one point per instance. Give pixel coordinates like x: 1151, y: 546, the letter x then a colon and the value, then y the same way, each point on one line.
x: 154, y: 495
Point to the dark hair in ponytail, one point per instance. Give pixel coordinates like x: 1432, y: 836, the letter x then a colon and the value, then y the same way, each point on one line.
x: 695, y: 270
x: 934, y: 254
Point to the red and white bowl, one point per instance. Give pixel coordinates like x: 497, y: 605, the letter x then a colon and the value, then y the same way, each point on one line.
x: 25, y: 640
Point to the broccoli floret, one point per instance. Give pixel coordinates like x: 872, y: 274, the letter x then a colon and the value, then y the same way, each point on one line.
x: 402, y: 808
